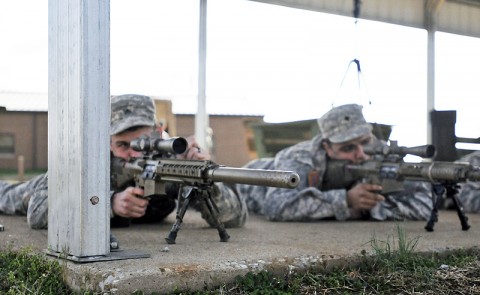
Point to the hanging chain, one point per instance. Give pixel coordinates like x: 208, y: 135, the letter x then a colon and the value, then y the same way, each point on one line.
x: 360, y: 78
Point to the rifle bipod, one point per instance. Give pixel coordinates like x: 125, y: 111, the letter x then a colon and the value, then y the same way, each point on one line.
x: 185, y: 194
x: 451, y: 191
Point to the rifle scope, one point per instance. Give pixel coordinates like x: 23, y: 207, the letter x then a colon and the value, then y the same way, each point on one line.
x: 423, y: 151
x: 174, y: 145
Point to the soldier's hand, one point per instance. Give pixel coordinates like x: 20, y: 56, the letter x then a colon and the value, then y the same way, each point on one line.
x: 127, y: 203
x: 364, y: 196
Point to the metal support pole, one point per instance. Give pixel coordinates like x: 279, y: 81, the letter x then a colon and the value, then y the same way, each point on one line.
x: 201, y: 118
x: 431, y: 9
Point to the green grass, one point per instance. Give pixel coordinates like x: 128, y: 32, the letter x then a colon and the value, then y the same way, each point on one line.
x: 455, y: 273
x: 394, y: 267
x: 24, y: 272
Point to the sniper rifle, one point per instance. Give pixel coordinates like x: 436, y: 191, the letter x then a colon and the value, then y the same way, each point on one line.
x: 157, y: 172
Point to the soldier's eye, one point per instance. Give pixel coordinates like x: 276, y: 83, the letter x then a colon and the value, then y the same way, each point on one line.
x: 123, y: 145
x: 348, y: 148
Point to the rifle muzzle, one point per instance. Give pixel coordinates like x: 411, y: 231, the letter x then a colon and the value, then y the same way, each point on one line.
x: 272, y: 178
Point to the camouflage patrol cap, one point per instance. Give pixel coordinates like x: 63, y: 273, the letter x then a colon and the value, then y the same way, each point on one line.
x: 344, y: 123
x: 130, y: 110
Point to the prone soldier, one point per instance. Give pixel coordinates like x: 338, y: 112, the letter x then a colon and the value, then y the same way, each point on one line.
x: 344, y: 134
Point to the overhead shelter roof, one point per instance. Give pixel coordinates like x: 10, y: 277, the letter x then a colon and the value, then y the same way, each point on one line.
x: 453, y: 16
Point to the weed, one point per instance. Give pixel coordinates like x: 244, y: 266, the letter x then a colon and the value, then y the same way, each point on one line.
x: 262, y: 283
x: 27, y: 273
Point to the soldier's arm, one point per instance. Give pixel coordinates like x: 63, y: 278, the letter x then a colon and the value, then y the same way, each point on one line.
x: 469, y: 193
x: 469, y: 196
x: 305, y: 204
x: 232, y: 209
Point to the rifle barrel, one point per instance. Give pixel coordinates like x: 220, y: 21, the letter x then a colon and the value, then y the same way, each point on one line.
x: 273, y: 178
x: 436, y: 171
x: 458, y: 172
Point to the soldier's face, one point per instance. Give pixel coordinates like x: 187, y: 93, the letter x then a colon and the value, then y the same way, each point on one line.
x: 120, y: 143
x: 352, y: 150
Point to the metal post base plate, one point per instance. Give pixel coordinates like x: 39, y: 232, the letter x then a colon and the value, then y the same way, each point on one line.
x: 114, y: 255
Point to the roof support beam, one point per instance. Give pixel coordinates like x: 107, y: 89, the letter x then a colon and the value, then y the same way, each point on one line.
x: 431, y: 12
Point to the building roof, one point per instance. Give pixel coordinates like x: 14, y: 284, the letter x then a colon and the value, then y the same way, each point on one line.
x: 38, y: 102
x: 24, y: 101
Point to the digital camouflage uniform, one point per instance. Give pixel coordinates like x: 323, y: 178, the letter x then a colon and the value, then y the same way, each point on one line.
x: 26, y: 198
x: 469, y: 193
x: 233, y: 210
x: 307, y: 201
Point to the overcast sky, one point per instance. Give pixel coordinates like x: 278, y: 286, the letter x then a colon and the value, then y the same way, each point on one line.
x: 286, y: 64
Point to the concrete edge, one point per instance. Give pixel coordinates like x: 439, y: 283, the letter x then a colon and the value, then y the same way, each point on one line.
x: 171, y: 278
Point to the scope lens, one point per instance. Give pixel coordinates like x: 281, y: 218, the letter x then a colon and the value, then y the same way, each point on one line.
x: 179, y: 145
x: 140, y: 144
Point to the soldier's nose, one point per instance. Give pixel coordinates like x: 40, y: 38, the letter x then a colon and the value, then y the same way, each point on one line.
x: 134, y: 154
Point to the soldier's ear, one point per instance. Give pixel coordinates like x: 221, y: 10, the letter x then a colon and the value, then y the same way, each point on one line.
x: 325, y: 144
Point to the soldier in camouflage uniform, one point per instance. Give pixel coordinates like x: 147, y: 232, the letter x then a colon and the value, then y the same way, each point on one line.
x: 343, y: 134
x: 131, y: 117
x: 134, y: 116
x: 26, y: 198
x: 469, y: 193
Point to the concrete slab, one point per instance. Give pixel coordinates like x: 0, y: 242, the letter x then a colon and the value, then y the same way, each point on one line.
x: 200, y: 260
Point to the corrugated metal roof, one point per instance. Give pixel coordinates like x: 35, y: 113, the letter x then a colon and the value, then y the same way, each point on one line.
x: 24, y: 101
